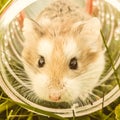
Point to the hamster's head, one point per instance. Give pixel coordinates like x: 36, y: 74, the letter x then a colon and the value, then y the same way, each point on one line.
x: 64, y: 62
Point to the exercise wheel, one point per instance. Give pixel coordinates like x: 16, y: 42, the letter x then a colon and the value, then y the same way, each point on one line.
x: 12, y: 71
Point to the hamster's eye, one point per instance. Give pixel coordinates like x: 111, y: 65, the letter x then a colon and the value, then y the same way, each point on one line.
x: 41, y: 61
x: 73, y: 63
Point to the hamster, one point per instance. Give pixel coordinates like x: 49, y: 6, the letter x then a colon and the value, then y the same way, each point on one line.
x: 63, y: 52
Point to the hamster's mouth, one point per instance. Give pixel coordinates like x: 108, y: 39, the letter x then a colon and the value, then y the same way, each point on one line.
x: 55, y: 99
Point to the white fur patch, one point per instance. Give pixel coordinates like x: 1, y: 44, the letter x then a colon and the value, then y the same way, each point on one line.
x: 70, y: 48
x: 73, y: 87
x: 45, y: 47
x: 40, y: 85
x: 44, y: 21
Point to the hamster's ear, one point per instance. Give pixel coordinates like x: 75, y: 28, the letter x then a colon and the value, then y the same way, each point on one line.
x: 91, y: 34
x: 31, y: 29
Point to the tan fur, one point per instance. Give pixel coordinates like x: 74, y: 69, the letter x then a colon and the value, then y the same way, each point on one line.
x: 65, y: 22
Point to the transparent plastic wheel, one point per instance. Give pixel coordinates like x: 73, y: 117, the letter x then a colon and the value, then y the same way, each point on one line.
x: 14, y: 79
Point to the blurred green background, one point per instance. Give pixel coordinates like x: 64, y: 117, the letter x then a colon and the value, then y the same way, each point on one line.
x: 2, y: 2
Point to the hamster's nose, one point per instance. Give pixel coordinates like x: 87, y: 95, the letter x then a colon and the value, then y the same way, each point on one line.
x: 55, y: 96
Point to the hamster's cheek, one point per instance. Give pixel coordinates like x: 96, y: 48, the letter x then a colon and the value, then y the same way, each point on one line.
x: 73, y: 89
x: 76, y: 88
x: 40, y: 86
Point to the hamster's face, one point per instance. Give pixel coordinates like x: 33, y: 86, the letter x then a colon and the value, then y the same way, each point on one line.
x: 63, y: 66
